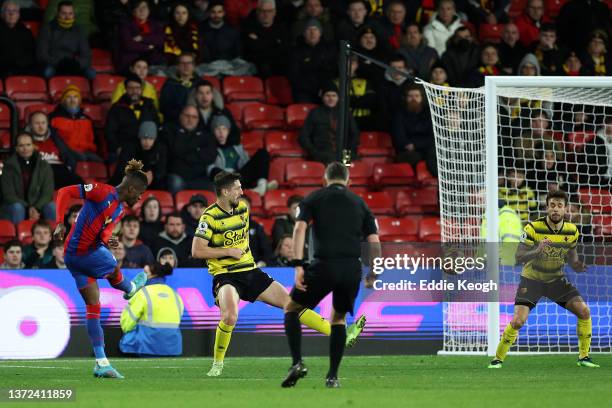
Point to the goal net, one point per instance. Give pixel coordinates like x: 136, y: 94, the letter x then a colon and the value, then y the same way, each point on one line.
x: 515, y: 140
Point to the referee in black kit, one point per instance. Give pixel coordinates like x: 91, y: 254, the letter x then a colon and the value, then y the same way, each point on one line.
x: 340, y: 221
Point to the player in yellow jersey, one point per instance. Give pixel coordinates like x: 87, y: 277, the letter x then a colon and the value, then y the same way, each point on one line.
x: 546, y: 245
x: 222, y: 238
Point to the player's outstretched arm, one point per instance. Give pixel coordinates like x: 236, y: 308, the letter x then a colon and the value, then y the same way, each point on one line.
x: 64, y: 195
x: 201, y: 250
x: 573, y: 261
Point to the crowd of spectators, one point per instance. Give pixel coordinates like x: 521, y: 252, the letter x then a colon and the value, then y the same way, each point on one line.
x: 184, y: 134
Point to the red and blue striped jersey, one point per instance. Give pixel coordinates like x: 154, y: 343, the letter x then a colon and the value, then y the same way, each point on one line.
x: 96, y: 221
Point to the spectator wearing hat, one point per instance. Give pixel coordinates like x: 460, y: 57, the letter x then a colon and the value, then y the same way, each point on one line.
x: 313, y: 9
x: 190, y: 152
x: 74, y: 126
x: 233, y: 157
x: 139, y: 37
x: 549, y: 54
x: 209, y: 104
x: 318, y: 137
x: 530, y: 21
x: 16, y: 42
x: 596, y: 59
x: 140, y: 67
x: 418, y: 55
x: 312, y: 63
x: 176, y: 90
x: 265, y: 40
x: 27, y: 183
x: 126, y: 115
x: 438, y: 75
x: 192, y: 212
x: 461, y: 57
x: 167, y: 256
x: 529, y: 66
x: 372, y: 45
x: 363, y: 98
x: 63, y: 48
x: 150, y: 151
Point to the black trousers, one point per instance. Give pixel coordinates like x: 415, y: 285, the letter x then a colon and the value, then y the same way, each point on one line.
x: 256, y: 168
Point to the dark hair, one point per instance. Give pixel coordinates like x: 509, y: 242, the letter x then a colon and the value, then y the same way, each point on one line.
x: 175, y: 214
x: 158, y: 269
x: 415, y: 25
x: 12, y: 243
x: 204, y: 82
x: 294, y: 199
x: 397, y: 57
x: 146, y: 202
x: 225, y: 179
x: 42, y: 224
x: 548, y: 27
x: 132, y: 77
x: 187, y: 54
x: 73, y: 209
x: 537, y: 113
x: 138, y: 59
x: 130, y: 218
x: 280, y: 242
x: 24, y: 133
x: 133, y: 171
x: 137, y: 3
x: 560, y: 194
x: 64, y: 4
x: 336, y: 171
x: 247, y: 199
x: 56, y: 243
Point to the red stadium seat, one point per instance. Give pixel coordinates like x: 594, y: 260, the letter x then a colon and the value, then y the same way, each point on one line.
x: 430, y: 230
x: 33, y: 26
x: 305, y: 173
x: 283, y: 143
x: 237, y: 111
x: 26, y: 88
x: 599, y: 200
x: 243, y: 88
x: 104, y: 85
x: 214, y: 82
x: 59, y: 83
x: 263, y: 117
x: 398, y: 229
x: 375, y: 144
x: 37, y: 107
x: 360, y: 174
x: 275, y: 202
x: 182, y: 197
x: 157, y: 82
x: 490, y: 33
x: 602, y: 227
x: 418, y: 201
x: 253, y: 141
x: 393, y: 174
x: 24, y: 231
x: 7, y: 231
x: 102, y: 60
x: 278, y: 167
x: 516, y: 8
x: 5, y: 117
x: 256, y: 202
x: 576, y: 141
x: 92, y: 171
x: 165, y: 199
x: 379, y: 202
x: 297, y: 113
x: 278, y: 91
x: 5, y: 139
x: 267, y: 224
x: 423, y: 175
x: 96, y: 114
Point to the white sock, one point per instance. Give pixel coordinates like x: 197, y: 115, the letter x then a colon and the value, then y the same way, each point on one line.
x: 102, y: 362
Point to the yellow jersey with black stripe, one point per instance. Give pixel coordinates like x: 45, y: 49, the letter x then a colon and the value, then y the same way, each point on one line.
x: 227, y: 230
x: 522, y: 200
x: 548, y: 266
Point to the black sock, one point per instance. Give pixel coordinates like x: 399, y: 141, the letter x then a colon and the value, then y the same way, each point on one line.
x: 337, y: 340
x: 293, y: 330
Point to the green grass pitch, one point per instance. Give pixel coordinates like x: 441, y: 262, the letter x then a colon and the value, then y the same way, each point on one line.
x: 376, y: 382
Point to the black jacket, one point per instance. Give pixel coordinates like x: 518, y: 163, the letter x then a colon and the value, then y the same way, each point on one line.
x: 180, y: 246
x: 510, y: 57
x: 283, y: 225
x: 267, y: 48
x: 221, y: 43
x: 122, y: 123
x: 310, y: 68
x: 259, y: 243
x: 155, y: 160
x: 460, y: 64
x: 189, y: 152
x: 173, y: 97
x: 412, y: 128
x: 18, y: 50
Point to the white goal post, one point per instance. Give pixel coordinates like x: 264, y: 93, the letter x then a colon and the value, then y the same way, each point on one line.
x: 547, y: 132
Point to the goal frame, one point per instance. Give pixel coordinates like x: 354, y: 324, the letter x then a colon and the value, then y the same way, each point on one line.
x: 492, y: 84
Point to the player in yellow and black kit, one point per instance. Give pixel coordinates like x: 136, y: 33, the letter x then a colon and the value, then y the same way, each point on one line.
x: 546, y: 244
x: 222, y: 238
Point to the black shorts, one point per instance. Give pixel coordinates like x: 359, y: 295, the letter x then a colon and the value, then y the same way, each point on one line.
x: 341, y: 277
x: 530, y: 291
x: 248, y: 284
